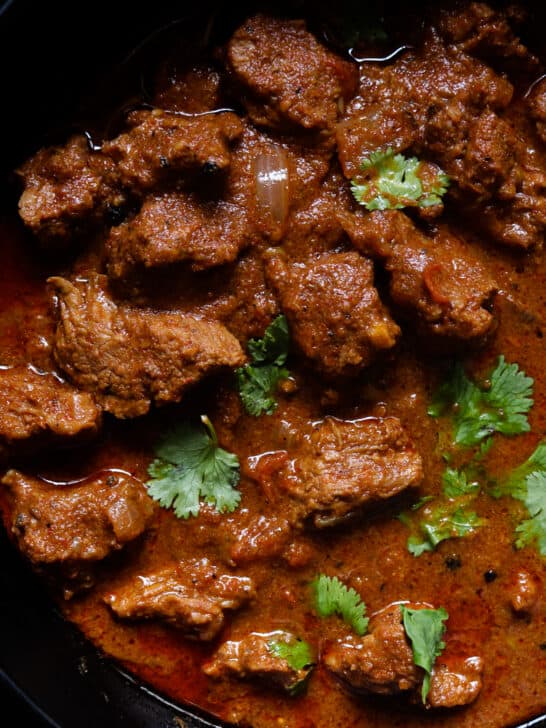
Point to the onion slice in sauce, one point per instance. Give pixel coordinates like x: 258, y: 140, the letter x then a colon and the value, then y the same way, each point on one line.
x: 272, y: 190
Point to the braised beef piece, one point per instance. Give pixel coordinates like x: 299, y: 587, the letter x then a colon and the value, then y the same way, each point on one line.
x: 455, y: 680
x: 69, y: 528
x: 335, y: 315
x: 382, y: 662
x: 69, y: 188
x: 288, y: 78
x: 128, y: 358
x: 160, y: 145
x: 340, y: 466
x: 38, y: 409
x: 190, y: 595
x: 66, y: 190
x: 437, y: 281
x: 446, y: 107
x: 488, y: 33
x: 537, y: 107
x: 524, y: 591
x: 253, y: 657
x: 190, y: 87
x: 176, y: 227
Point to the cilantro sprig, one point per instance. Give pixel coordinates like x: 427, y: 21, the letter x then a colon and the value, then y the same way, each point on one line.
x: 441, y: 522
x: 478, y: 412
x: 258, y: 380
x: 299, y: 657
x: 390, y: 181
x: 425, y: 629
x: 190, y: 467
x: 527, y: 483
x: 333, y: 597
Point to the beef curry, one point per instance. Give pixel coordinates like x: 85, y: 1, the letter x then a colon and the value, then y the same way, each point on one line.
x: 272, y: 388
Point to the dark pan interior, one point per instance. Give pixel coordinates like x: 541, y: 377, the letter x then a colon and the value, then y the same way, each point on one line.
x: 51, y: 55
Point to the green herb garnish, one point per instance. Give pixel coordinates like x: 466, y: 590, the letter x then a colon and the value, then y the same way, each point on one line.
x: 190, y: 467
x: 425, y: 629
x: 390, y: 181
x: 478, y: 412
x: 258, y: 380
x: 333, y: 597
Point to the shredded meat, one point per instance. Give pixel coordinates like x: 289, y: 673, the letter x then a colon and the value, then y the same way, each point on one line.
x: 341, y: 466
x: 71, y: 527
x: 252, y: 657
x: 288, y: 79
x: 436, y: 281
x: 191, y: 596
x: 38, y: 409
x: 335, y: 315
x: 129, y: 358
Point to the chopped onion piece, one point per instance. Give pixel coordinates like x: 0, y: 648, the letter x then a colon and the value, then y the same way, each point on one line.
x: 272, y: 190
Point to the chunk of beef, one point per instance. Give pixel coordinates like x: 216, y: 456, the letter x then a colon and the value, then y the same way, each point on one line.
x: 340, y: 466
x: 71, y: 527
x: 537, y: 107
x: 480, y: 30
x: 192, y: 88
x: 177, y: 227
x: 191, y: 596
x: 129, y: 358
x: 69, y: 188
x: 253, y: 657
x: 447, y: 108
x: 160, y: 145
x: 455, y: 681
x: 436, y: 281
x: 289, y: 79
x: 370, y: 129
x: 524, y: 591
x: 336, y: 317
x: 66, y: 188
x: 38, y: 409
x: 382, y: 661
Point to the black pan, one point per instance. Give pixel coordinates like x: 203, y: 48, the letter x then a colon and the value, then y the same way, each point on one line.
x: 51, y: 55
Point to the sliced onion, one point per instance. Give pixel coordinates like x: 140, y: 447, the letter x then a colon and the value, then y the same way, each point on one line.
x: 272, y: 190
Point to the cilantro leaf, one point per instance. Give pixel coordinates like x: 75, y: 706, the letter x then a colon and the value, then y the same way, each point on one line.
x: 257, y: 386
x: 456, y: 483
x: 527, y: 483
x: 391, y: 181
x: 333, y: 597
x: 191, y: 467
x: 425, y: 629
x: 299, y: 656
x: 533, y: 530
x: 258, y: 380
x: 297, y: 653
x: 478, y: 412
x: 447, y: 520
x: 273, y: 347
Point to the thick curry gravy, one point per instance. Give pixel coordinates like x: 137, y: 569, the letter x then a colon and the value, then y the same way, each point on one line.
x: 471, y: 577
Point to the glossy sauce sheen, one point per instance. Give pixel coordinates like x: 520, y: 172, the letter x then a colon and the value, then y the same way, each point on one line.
x: 471, y: 577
